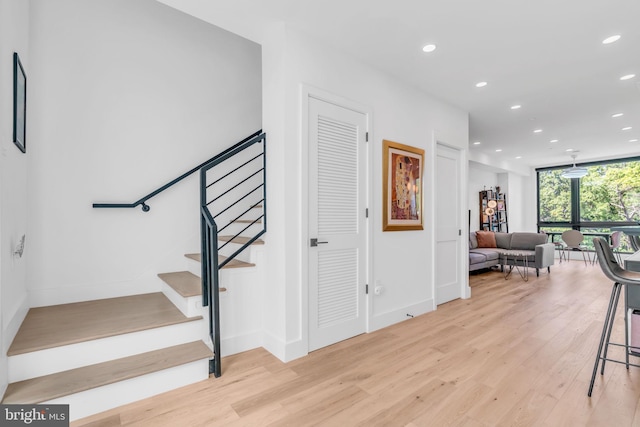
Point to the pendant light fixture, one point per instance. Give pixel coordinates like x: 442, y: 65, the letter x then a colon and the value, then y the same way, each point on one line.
x: 575, y: 171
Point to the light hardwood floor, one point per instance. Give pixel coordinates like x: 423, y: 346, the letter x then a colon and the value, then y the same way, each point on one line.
x: 515, y: 354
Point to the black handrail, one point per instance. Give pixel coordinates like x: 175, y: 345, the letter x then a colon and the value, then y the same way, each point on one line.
x: 209, y: 228
x: 142, y: 201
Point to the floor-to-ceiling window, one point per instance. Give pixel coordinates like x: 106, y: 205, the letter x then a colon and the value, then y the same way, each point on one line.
x: 608, y: 195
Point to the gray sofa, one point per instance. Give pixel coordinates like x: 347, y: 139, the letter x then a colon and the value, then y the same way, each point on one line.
x: 534, y: 246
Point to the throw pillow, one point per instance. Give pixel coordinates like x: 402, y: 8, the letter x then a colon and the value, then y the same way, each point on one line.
x: 486, y: 239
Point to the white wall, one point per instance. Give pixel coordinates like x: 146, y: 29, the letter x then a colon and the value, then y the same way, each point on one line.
x: 14, y: 37
x: 480, y: 178
x: 401, y: 261
x: 276, y: 316
x: 530, y: 201
x: 126, y: 96
x: 515, y: 194
x: 520, y: 198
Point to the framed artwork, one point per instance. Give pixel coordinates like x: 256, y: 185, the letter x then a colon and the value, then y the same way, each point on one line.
x: 401, y: 187
x: 19, y: 104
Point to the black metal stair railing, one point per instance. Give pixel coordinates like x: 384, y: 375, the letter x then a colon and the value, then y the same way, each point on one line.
x: 232, y: 193
x: 143, y: 200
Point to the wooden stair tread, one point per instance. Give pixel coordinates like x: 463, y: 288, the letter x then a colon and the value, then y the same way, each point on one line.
x: 234, y: 263
x: 240, y: 239
x: 58, y: 325
x: 185, y: 283
x: 60, y: 384
x: 248, y: 221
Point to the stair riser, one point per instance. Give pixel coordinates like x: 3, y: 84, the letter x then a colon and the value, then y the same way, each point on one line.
x: 44, y: 362
x: 242, y: 256
x: 189, y: 306
x: 230, y: 279
x: 110, y: 396
x: 250, y: 255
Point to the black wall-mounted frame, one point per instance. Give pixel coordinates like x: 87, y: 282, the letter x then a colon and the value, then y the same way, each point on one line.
x: 19, y: 104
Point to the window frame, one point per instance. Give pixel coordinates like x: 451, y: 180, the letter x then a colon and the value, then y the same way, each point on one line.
x: 575, y: 222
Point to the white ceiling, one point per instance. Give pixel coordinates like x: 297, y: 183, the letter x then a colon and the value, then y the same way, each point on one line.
x: 546, y: 55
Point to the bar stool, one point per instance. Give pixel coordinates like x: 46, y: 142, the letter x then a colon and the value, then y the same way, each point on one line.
x: 620, y: 277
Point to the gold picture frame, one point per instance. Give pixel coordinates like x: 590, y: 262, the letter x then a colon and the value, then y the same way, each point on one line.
x: 402, y: 171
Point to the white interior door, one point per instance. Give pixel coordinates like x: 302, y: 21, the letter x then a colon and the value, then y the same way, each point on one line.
x: 448, y: 225
x: 337, y: 197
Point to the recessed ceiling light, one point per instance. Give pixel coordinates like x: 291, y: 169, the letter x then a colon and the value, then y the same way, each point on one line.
x: 627, y: 128
x: 611, y: 39
x: 554, y: 140
x: 537, y: 131
x: 477, y: 143
x: 516, y: 107
x: 518, y: 157
x: 498, y: 150
x: 633, y: 140
x: 627, y: 77
x: 481, y: 84
x: 617, y: 115
x: 429, y: 48
x: 569, y: 150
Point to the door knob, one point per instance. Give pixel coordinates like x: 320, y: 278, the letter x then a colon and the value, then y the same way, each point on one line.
x: 314, y: 243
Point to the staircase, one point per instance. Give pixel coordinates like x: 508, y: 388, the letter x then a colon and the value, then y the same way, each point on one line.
x: 97, y: 355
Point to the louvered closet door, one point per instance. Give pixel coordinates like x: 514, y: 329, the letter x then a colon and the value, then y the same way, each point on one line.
x: 337, y: 195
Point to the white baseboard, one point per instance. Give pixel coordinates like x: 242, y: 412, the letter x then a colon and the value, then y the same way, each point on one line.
x: 274, y: 345
x: 240, y: 343
x: 296, y: 349
x: 466, y: 294
x: 9, y: 333
x: 286, y: 352
x: 399, y: 315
